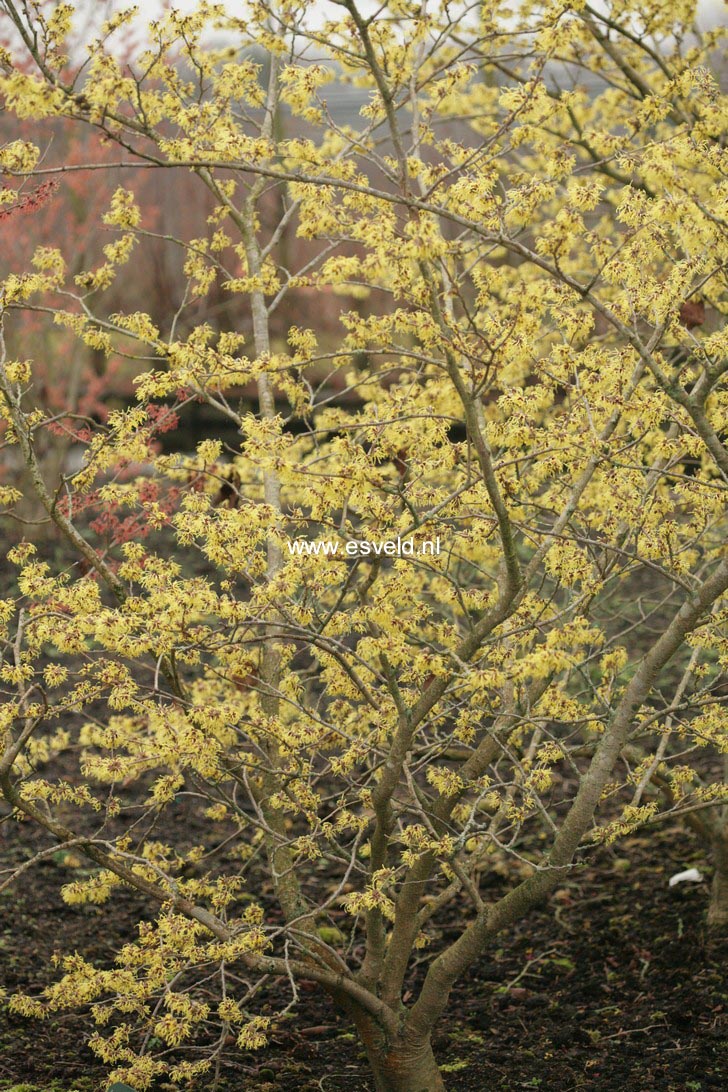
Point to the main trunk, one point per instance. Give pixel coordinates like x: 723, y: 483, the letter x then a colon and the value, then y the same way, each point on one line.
x: 404, y: 1069
x: 399, y: 1062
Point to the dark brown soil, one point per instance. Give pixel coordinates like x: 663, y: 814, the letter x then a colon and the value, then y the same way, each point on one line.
x: 611, y: 986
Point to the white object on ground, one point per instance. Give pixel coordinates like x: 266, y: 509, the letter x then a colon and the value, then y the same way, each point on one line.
x: 690, y: 875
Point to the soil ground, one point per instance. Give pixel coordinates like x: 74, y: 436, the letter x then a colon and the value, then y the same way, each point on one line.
x: 613, y: 985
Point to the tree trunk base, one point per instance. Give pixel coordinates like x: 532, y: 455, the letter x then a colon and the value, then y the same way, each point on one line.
x: 407, y: 1075
x: 402, y: 1067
